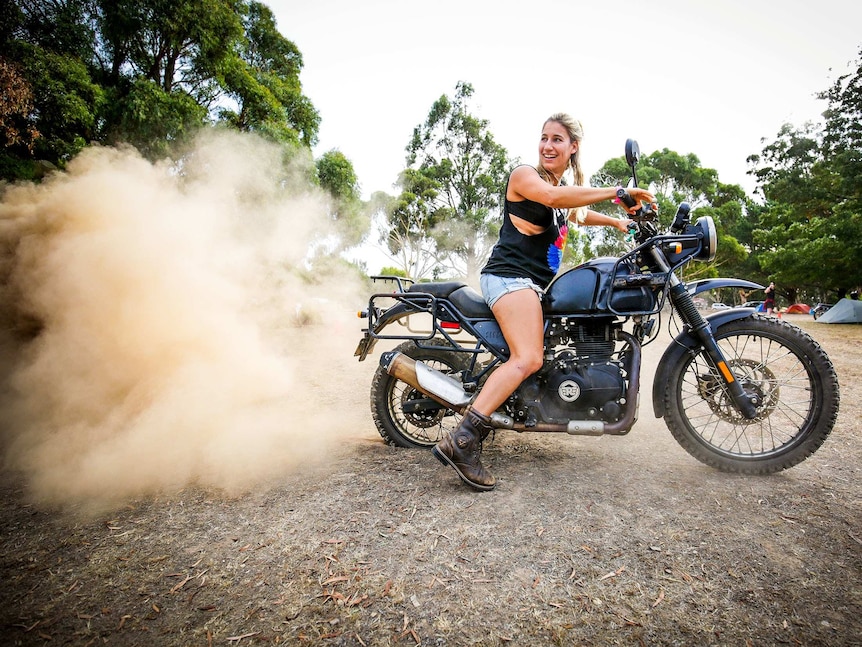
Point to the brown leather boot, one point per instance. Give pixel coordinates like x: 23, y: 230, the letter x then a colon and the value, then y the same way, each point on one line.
x: 461, y: 449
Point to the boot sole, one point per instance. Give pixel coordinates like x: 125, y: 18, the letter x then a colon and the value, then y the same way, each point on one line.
x: 440, y: 456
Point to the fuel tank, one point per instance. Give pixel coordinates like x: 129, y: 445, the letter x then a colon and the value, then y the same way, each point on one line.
x: 588, y: 289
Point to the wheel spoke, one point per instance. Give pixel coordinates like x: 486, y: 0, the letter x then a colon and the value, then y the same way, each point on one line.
x: 405, y: 416
x: 766, y: 369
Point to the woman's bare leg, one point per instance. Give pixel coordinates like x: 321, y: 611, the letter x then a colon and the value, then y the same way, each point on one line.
x: 520, y: 317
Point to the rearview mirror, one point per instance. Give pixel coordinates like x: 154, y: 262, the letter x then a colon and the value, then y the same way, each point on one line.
x: 633, y: 152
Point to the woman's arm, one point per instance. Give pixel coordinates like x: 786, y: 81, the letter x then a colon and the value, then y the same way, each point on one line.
x: 525, y: 183
x: 596, y: 218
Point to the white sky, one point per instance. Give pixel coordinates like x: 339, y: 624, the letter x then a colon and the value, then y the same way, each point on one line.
x: 709, y: 78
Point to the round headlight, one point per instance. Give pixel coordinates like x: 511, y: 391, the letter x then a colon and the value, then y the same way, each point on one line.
x: 710, y: 238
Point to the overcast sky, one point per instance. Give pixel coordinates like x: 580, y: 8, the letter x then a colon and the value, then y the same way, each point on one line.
x: 709, y: 78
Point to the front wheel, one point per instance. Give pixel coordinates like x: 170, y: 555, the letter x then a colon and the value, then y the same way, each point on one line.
x: 406, y: 417
x: 795, y: 384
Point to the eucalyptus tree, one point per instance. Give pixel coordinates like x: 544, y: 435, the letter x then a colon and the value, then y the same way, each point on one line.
x: 452, y: 189
x: 50, y: 105
x: 811, y: 223
x: 262, y: 81
x: 350, y: 217
x: 145, y: 72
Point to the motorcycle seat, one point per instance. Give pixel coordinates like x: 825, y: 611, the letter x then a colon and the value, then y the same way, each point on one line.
x: 471, y: 303
x: 466, y: 299
x: 438, y: 290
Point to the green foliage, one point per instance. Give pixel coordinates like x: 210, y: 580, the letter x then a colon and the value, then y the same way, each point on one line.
x: 810, y: 227
x: 153, y: 120
x: 452, y: 189
x: 262, y: 78
x: 393, y: 271
x: 169, y: 42
x: 64, y: 116
x: 61, y: 26
x: 148, y: 73
x: 336, y: 176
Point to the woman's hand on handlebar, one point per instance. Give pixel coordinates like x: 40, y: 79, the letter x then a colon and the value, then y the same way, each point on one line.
x: 640, y: 195
x: 623, y: 224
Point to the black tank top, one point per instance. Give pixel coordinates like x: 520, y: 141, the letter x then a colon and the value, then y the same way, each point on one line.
x: 534, y: 257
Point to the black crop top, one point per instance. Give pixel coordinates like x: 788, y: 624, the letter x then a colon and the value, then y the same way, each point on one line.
x: 536, y: 257
x: 532, y: 212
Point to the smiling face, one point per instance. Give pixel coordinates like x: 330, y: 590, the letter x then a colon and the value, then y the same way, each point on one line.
x: 556, y: 148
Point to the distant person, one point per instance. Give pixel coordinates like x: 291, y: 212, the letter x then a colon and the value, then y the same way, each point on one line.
x: 537, y: 209
x: 769, y: 303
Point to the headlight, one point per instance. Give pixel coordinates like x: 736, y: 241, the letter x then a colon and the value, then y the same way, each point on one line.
x: 710, y: 239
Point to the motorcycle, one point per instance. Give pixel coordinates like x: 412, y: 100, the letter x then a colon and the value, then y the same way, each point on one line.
x: 740, y: 391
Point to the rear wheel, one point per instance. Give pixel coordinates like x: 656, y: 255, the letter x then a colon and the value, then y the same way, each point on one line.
x: 406, y: 417
x: 795, y: 384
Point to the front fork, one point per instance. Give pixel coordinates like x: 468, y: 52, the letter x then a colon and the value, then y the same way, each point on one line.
x: 746, y: 403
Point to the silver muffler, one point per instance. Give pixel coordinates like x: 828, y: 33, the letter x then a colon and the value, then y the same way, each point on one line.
x: 441, y: 387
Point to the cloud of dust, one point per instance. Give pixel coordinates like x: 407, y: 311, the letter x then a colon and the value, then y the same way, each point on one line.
x: 166, y: 355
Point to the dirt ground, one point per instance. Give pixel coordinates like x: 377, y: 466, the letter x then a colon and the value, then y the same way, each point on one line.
x: 585, y: 541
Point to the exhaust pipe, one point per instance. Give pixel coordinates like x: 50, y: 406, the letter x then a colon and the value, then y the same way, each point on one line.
x: 450, y: 393
x: 436, y: 385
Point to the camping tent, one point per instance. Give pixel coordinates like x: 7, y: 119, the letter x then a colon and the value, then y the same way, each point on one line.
x: 798, y: 309
x: 845, y: 311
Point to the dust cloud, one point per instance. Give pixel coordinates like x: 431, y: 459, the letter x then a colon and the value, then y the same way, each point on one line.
x: 149, y: 324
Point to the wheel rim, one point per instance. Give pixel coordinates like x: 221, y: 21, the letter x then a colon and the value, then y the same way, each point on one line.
x: 766, y: 368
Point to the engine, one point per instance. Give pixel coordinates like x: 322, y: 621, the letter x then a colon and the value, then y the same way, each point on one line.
x: 582, y: 381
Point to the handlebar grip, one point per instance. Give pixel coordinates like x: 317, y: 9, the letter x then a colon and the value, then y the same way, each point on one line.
x: 624, y: 197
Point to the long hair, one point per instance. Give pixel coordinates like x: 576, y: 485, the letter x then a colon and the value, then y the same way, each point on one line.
x: 576, y: 134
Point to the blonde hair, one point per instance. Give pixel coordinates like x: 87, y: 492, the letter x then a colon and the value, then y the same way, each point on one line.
x: 576, y: 133
x: 575, y: 130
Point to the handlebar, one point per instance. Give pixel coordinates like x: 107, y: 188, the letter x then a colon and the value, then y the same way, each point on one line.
x: 624, y: 197
x: 644, y: 213
x: 644, y: 223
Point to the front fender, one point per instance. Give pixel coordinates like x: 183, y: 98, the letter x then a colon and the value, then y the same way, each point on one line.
x: 683, y: 344
x: 703, y: 285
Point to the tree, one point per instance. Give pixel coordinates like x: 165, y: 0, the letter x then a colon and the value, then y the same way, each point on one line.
x: 16, y: 104
x: 148, y: 73
x: 411, y: 217
x: 43, y: 41
x: 811, y: 224
x: 337, y: 177
x: 176, y: 44
x: 452, y: 188
x: 161, y: 61
x: 263, y: 80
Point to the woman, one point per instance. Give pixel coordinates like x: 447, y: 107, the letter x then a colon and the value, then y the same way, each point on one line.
x: 536, y: 212
x: 769, y: 294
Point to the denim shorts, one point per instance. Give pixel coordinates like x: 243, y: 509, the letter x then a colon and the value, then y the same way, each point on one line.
x: 494, y: 287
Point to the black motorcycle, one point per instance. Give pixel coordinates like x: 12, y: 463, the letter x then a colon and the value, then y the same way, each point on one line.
x: 740, y: 391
